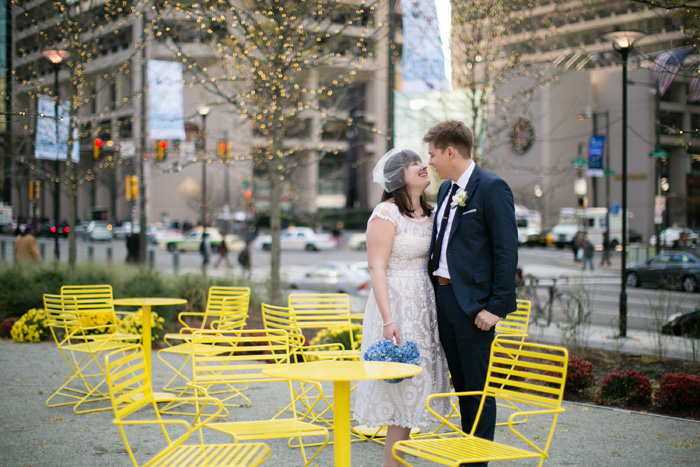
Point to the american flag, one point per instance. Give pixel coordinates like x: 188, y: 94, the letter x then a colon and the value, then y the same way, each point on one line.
x: 694, y: 90
x: 667, y: 65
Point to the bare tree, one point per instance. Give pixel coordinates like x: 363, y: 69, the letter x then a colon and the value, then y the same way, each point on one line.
x: 279, y: 64
x: 88, y: 30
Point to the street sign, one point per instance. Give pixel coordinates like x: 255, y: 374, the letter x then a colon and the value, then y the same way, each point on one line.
x: 660, y: 203
x: 658, y: 216
x: 609, y: 172
x: 578, y: 162
x: 658, y: 154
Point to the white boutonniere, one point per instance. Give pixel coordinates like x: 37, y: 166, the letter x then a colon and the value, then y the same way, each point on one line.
x: 460, y: 199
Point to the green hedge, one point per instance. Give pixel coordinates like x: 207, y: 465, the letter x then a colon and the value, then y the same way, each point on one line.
x: 23, y: 287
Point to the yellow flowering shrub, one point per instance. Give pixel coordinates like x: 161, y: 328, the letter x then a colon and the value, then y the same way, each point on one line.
x: 31, y: 327
x: 97, y: 323
x: 339, y: 335
x: 131, y: 324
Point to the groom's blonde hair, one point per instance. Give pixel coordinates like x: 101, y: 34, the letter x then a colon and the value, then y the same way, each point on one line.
x: 451, y: 133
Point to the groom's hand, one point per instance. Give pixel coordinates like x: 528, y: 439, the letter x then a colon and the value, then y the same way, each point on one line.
x: 485, y: 320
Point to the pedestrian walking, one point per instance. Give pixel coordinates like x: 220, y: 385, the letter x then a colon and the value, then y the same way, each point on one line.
x: 244, y: 259
x: 588, y: 251
x: 205, y: 249
x: 26, y: 249
x: 133, y: 242
x: 223, y: 254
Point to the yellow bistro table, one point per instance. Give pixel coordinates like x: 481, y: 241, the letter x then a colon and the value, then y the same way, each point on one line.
x: 341, y: 373
x: 146, y: 303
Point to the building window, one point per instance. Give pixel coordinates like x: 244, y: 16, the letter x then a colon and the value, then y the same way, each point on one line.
x: 331, y: 174
x: 104, y: 130
x: 671, y: 122
x: 124, y: 128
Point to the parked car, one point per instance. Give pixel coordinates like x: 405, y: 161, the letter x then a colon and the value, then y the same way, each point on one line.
x: 81, y: 230
x: 297, y: 238
x: 687, y: 324
x: 123, y: 230
x: 163, y: 235
x: 669, y: 270
x: 47, y: 229
x: 335, y: 277
x: 99, y: 231
x: 193, y: 238
x: 676, y: 237
x: 357, y: 241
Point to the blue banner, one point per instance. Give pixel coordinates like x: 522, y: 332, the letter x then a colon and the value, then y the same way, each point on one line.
x: 165, y: 101
x: 47, y: 145
x: 596, y: 151
x: 422, y: 62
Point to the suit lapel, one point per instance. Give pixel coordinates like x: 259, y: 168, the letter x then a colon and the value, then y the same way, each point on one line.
x: 472, y: 185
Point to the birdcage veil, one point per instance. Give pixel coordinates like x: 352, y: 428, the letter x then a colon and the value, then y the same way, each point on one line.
x: 389, y: 171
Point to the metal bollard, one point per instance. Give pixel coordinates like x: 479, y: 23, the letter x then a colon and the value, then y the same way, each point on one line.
x: 109, y: 254
x: 91, y: 253
x: 42, y: 251
x: 2, y: 249
x: 151, y: 258
x: 176, y: 262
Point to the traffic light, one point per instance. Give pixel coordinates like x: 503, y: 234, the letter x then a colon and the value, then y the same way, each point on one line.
x: 161, y: 150
x: 97, y: 148
x: 248, y: 194
x: 132, y: 187
x: 224, y: 149
x: 34, y: 188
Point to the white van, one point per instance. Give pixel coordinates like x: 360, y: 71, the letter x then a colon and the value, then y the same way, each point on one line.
x: 529, y: 223
x: 592, y: 221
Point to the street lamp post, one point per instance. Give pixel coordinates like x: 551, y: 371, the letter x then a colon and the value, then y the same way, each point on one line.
x: 623, y: 42
x: 204, y: 111
x: 56, y: 57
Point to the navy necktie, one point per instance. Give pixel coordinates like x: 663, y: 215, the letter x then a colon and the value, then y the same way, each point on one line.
x: 435, y: 259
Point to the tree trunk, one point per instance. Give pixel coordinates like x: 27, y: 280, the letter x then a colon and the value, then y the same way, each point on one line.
x: 276, y: 216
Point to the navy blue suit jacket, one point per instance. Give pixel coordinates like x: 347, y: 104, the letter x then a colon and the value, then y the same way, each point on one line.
x: 482, y: 248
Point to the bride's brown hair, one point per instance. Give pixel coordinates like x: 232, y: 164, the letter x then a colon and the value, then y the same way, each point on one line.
x: 400, y: 195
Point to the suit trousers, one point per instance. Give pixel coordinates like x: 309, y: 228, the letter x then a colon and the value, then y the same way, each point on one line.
x: 467, y: 349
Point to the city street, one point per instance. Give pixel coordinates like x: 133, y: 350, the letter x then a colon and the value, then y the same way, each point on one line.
x: 647, y: 308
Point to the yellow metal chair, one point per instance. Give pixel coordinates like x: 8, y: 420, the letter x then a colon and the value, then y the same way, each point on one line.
x: 241, y: 357
x: 513, y: 327
x: 227, y: 307
x: 95, y: 304
x: 130, y: 392
x: 81, y: 351
x: 515, y: 324
x: 536, y: 387
x: 325, y: 311
x: 314, y: 403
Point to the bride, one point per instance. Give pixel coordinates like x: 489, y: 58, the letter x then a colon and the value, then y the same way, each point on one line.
x: 401, y: 305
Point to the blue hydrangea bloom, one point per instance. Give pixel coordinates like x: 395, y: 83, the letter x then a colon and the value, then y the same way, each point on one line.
x: 387, y: 351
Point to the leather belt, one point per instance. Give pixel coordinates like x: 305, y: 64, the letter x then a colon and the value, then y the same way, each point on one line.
x: 443, y: 280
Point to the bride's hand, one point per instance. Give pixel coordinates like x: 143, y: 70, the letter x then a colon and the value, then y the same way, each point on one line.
x: 391, y: 331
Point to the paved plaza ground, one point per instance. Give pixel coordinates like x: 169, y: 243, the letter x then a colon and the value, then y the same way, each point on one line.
x: 36, y: 436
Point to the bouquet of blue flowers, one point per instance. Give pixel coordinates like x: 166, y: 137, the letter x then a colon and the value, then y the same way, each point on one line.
x: 387, y: 351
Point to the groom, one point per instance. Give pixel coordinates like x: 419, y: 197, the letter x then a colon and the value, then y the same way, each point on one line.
x: 474, y: 254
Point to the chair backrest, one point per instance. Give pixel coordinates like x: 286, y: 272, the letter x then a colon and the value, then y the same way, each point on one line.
x: 238, y: 297
x: 94, y: 299
x: 128, y: 383
x: 322, y: 311
x: 283, y: 318
x: 62, y: 317
x: 244, y: 353
x: 515, y: 324
x: 527, y: 372
x: 234, y: 313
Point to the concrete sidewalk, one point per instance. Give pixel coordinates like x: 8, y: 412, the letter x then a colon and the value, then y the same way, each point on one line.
x: 36, y: 436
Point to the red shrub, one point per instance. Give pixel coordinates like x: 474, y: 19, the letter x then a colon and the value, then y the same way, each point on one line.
x: 579, y: 375
x: 625, y: 389
x: 678, y: 392
x: 6, y: 327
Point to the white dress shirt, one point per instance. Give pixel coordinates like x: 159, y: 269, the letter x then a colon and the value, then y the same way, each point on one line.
x: 462, y: 181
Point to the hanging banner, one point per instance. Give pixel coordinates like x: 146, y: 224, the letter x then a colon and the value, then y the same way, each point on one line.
x: 422, y: 62
x: 47, y: 145
x: 596, y: 149
x: 165, y: 101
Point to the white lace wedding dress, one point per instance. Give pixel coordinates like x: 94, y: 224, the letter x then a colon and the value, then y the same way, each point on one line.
x: 412, y: 298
